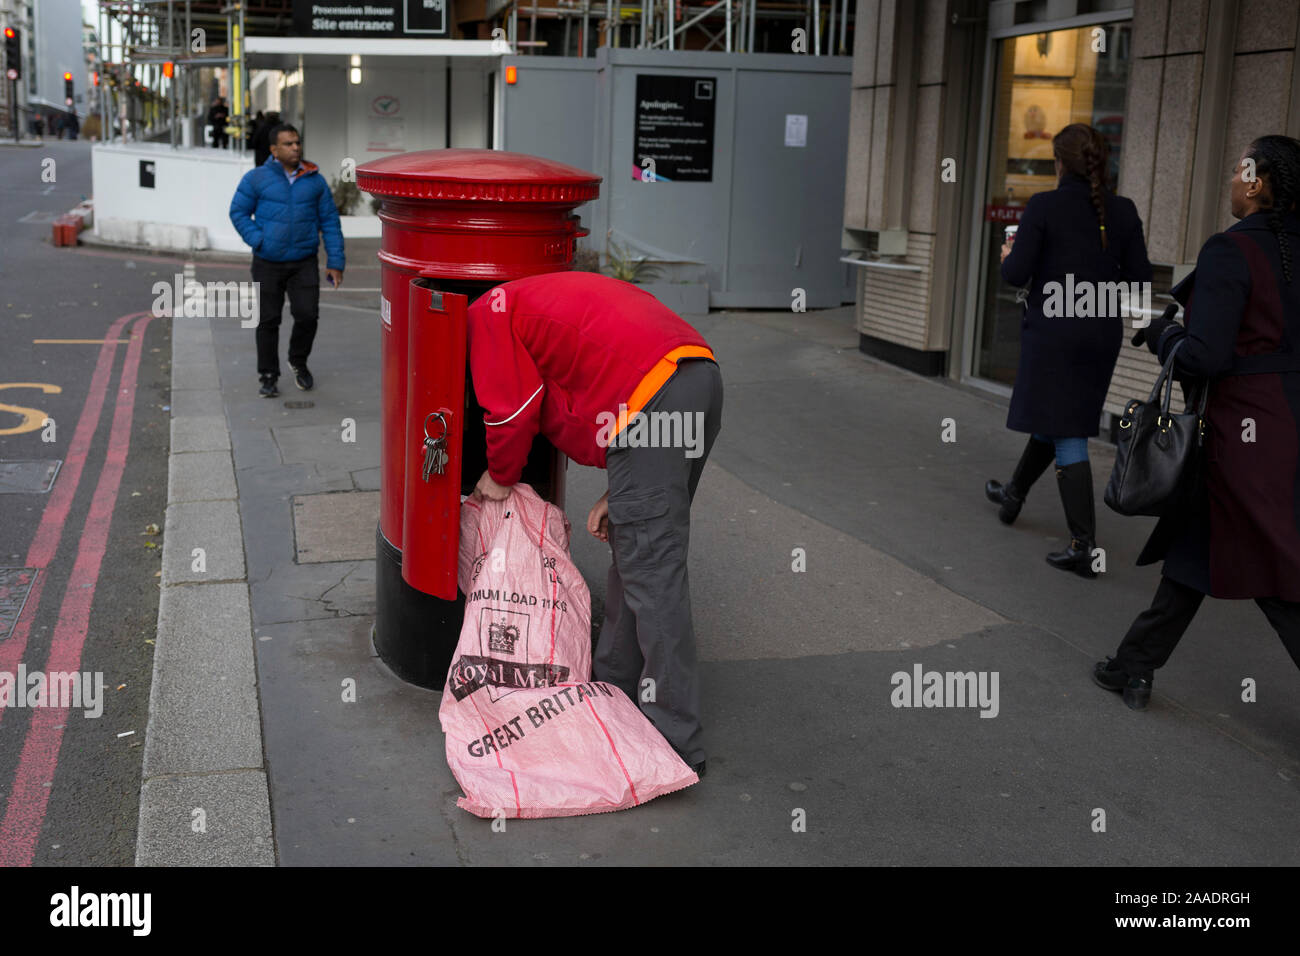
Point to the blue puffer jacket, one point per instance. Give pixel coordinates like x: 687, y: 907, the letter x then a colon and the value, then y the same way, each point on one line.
x: 281, y: 221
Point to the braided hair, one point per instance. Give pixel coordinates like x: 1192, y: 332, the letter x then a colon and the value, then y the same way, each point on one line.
x: 1278, y: 158
x: 1083, y: 151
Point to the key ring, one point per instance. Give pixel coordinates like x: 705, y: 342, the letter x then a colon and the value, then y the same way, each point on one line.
x: 439, y: 416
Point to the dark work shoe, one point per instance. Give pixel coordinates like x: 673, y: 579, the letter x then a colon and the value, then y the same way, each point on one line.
x: 302, y: 378
x: 699, y: 768
x: 268, y: 389
x: 1103, y: 675
x: 1135, y: 690
x: 1138, y: 693
x: 1077, y: 557
x: 1008, y: 496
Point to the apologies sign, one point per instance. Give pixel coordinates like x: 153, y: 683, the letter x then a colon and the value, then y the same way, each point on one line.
x: 370, y: 18
x: 674, y: 128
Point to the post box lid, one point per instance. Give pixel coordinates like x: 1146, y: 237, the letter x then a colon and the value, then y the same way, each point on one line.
x: 487, y: 175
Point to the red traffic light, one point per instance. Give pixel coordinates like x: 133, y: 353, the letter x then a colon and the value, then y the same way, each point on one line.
x: 9, y: 33
x: 94, y: 78
x: 67, y: 77
x: 168, y: 69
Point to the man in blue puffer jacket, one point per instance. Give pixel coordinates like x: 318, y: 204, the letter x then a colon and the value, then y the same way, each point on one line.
x: 281, y: 209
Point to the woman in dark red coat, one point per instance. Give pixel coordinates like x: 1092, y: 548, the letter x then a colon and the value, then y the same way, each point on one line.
x: 1082, y: 237
x: 1236, y: 533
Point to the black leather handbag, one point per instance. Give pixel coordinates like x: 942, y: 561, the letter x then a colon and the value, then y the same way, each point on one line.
x: 1155, y: 449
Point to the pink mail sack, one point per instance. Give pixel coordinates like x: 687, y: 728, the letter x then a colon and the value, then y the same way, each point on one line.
x: 528, y: 733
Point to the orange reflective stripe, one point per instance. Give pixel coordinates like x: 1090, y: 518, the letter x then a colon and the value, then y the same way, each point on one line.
x: 655, y: 380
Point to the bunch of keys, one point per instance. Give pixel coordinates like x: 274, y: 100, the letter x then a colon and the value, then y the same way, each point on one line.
x: 435, y: 449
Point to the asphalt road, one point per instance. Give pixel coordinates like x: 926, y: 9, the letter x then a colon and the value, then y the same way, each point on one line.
x: 69, y: 783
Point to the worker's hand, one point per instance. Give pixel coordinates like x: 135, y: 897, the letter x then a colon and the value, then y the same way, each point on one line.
x: 1006, y: 251
x: 598, y: 519
x: 487, y: 488
x: 335, y: 276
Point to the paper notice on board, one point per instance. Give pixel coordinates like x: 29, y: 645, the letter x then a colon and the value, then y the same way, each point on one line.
x: 796, y: 129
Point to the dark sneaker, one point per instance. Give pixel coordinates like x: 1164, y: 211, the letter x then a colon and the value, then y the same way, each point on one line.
x: 698, y: 768
x: 268, y: 389
x: 302, y: 378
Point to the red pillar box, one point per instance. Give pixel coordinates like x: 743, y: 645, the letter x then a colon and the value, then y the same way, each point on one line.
x: 456, y: 222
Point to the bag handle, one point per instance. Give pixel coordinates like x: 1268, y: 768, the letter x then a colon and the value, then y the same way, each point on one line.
x: 1165, y: 380
x: 1163, y: 389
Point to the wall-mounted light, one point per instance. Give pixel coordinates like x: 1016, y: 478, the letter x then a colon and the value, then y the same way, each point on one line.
x: 354, y: 75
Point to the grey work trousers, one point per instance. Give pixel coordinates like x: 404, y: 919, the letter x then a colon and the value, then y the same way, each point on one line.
x: 647, y: 643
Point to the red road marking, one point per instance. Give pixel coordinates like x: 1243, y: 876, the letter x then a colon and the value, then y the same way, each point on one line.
x: 29, y: 796
x: 50, y: 531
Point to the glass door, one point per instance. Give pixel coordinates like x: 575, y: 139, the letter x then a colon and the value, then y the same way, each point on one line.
x: 1044, y: 82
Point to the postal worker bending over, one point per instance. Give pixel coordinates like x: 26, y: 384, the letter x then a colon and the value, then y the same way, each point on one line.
x: 615, y: 380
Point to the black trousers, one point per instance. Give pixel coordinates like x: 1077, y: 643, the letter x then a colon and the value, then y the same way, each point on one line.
x: 1155, y: 633
x: 301, y: 280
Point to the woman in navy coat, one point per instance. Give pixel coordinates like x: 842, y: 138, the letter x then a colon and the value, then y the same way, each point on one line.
x: 1074, y: 246
x: 1236, y: 532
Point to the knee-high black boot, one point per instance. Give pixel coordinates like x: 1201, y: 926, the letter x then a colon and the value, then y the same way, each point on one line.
x: 1033, y: 462
x: 1075, y: 484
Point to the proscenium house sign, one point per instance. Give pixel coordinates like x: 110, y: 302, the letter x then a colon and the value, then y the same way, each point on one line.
x: 376, y: 18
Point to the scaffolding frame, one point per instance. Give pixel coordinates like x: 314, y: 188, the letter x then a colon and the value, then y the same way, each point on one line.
x: 135, y: 38
x: 138, y: 56
x: 728, y: 25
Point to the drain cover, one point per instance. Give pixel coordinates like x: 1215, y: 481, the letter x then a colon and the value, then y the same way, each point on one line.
x: 15, y: 585
x: 300, y: 404
x: 27, y: 477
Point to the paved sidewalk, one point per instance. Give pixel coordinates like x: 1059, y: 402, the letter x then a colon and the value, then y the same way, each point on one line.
x: 822, y: 449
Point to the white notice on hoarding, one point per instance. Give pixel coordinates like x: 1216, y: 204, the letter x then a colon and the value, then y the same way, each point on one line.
x: 796, y: 129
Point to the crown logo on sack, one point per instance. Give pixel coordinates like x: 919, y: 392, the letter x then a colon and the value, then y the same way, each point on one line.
x: 502, y: 638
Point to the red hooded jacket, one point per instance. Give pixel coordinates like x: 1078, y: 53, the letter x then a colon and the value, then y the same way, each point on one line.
x: 552, y: 352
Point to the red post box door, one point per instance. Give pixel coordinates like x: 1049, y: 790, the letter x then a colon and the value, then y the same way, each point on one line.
x: 435, y: 409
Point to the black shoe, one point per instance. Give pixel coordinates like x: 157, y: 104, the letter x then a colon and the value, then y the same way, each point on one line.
x: 1008, y: 496
x: 1136, y: 690
x: 1103, y: 675
x: 1138, y: 693
x: 268, y: 389
x: 1076, y: 557
x: 698, y: 768
x: 302, y: 378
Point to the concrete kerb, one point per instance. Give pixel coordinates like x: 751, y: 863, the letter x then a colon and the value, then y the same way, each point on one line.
x: 88, y: 238
x: 204, y: 795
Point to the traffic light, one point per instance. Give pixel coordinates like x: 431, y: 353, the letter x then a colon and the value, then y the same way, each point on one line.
x: 169, y: 68
x: 13, y: 53
x: 68, y: 92
x: 94, y: 77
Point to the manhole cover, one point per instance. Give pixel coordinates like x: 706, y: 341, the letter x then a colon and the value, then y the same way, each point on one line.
x: 15, y: 585
x: 27, y: 477
x: 300, y: 404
